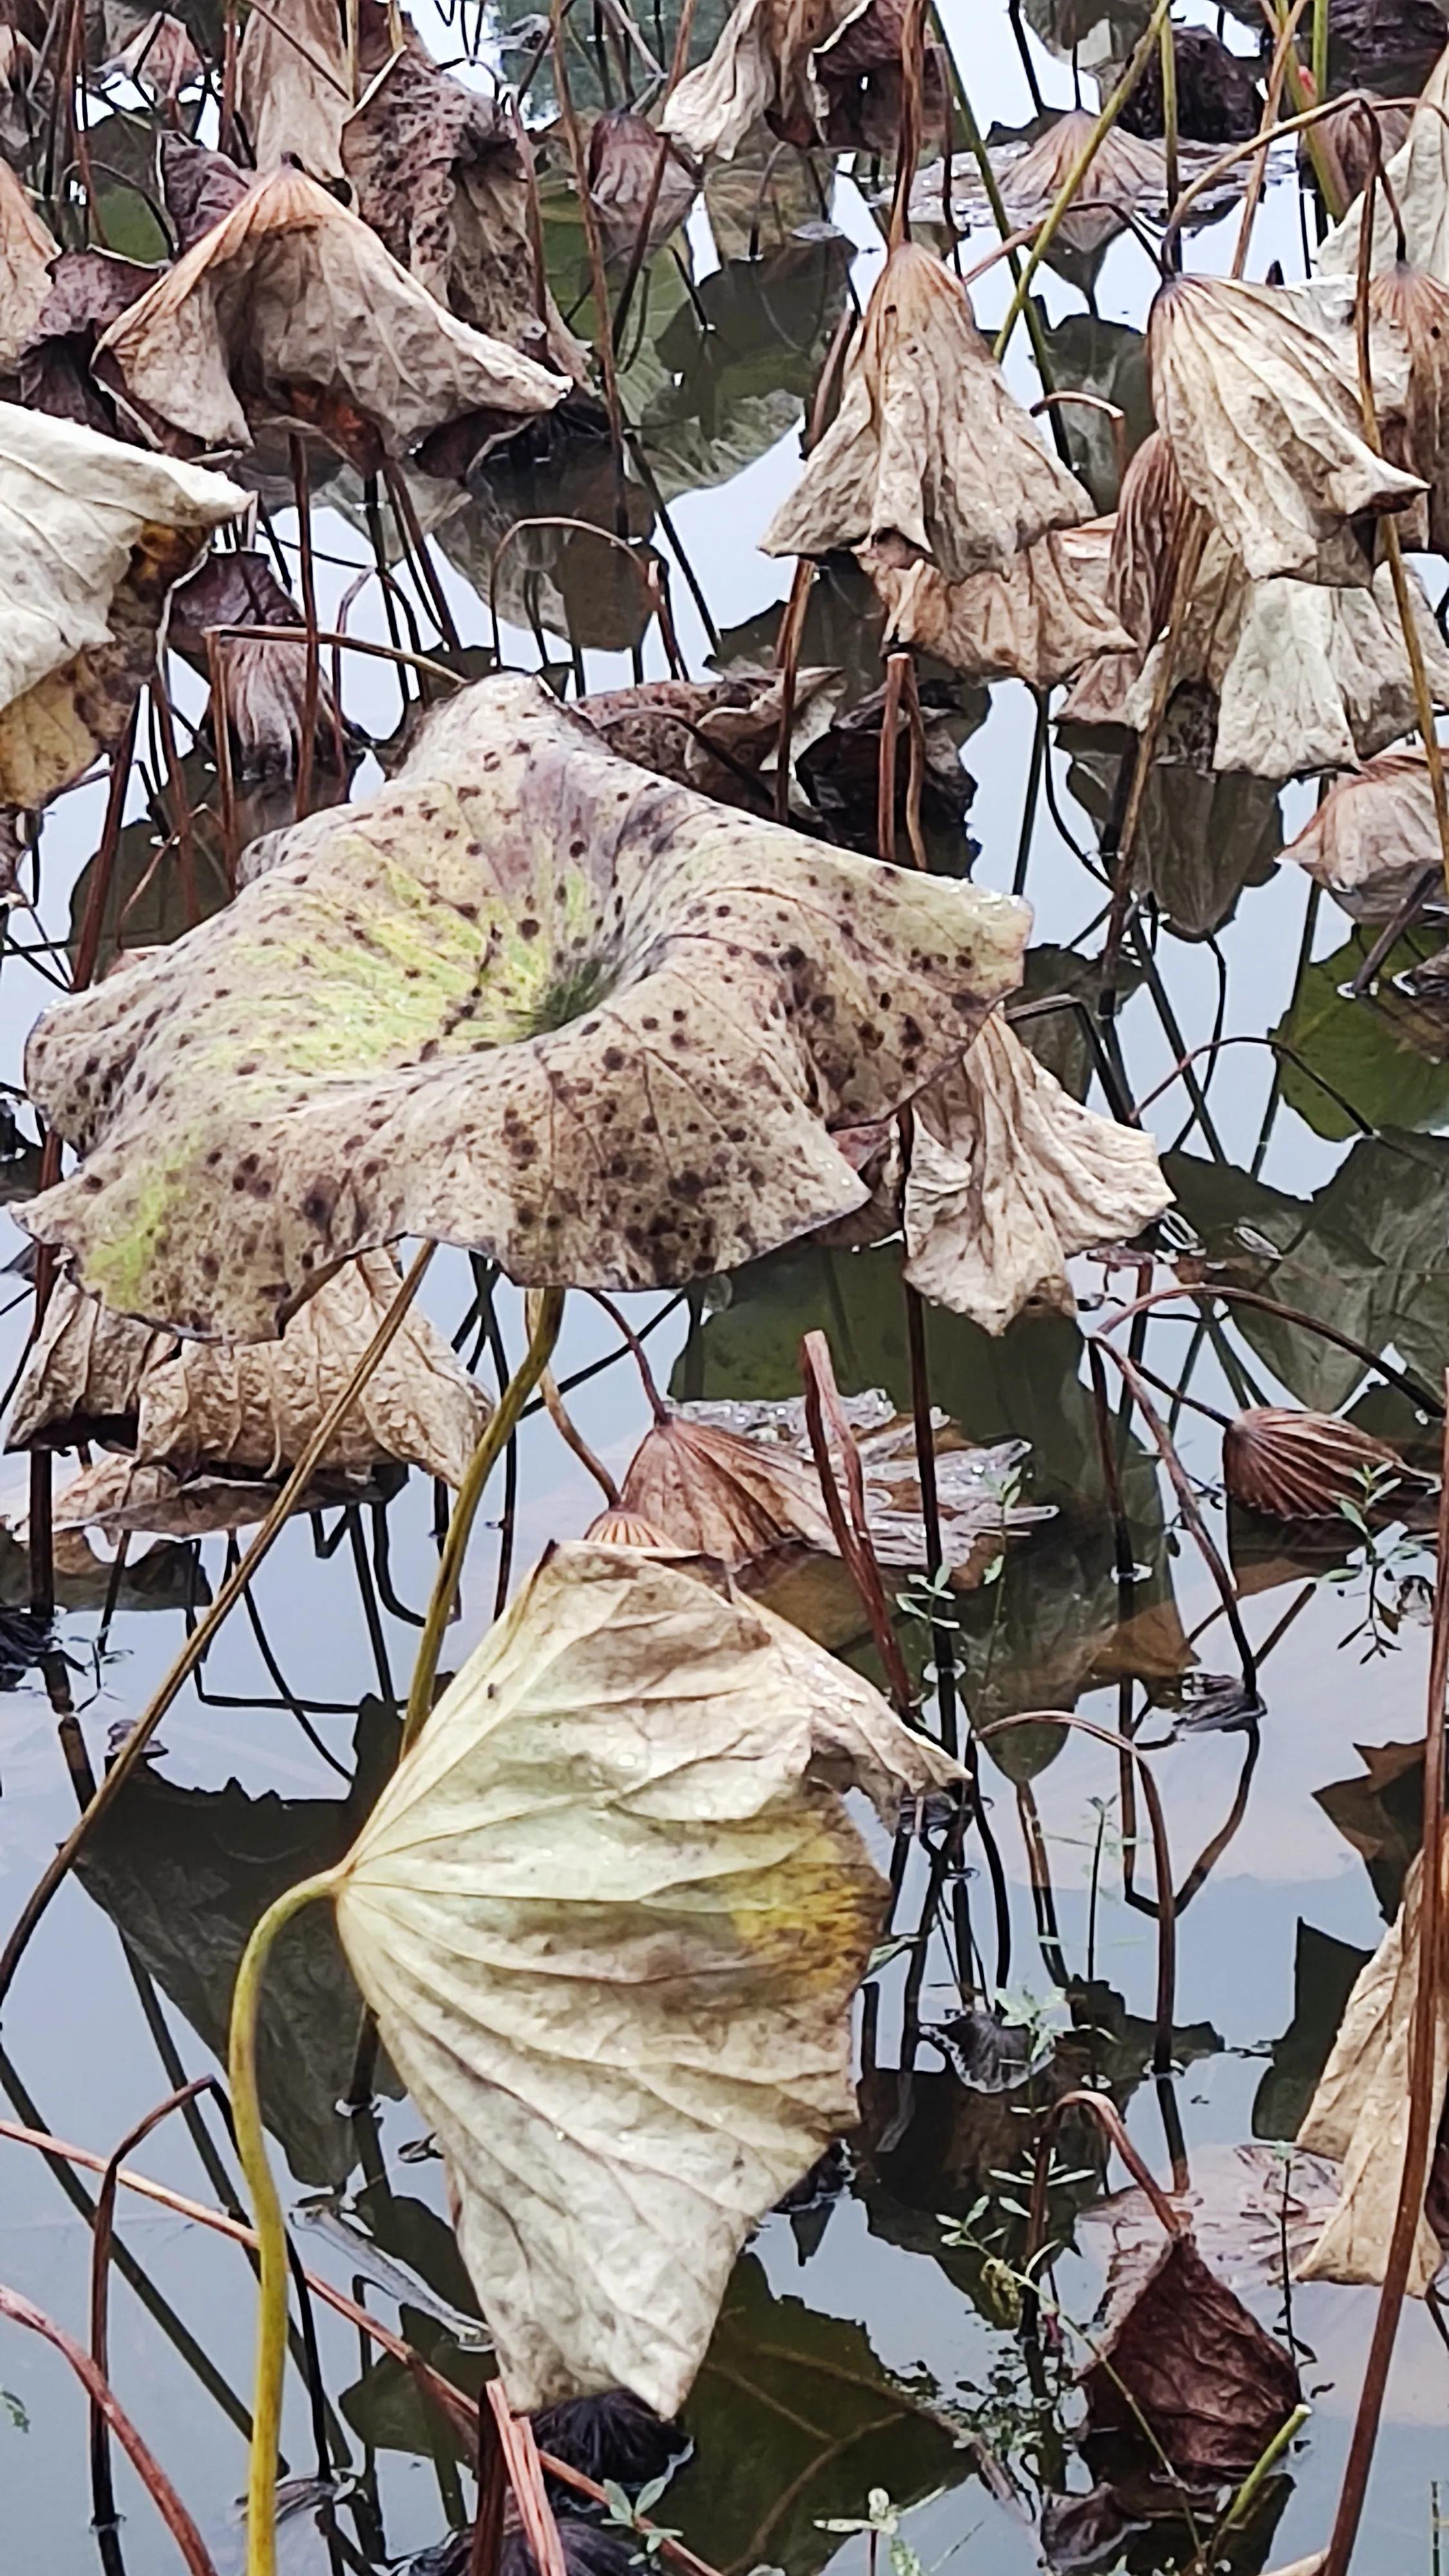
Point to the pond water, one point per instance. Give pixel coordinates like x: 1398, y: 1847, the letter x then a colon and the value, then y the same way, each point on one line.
x: 866, y: 2341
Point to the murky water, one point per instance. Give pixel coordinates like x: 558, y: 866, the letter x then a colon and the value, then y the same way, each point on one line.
x: 865, y: 2342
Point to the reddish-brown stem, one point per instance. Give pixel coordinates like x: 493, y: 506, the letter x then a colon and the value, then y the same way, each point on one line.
x: 1109, y: 2119
x: 825, y: 1420
x: 103, y: 2230
x: 312, y: 682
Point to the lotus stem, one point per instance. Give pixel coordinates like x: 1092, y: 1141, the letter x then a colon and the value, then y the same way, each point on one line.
x: 603, y: 336
x: 1320, y: 48
x: 572, y: 1438
x: 1418, y: 2144
x: 622, y: 1325
x: 312, y: 681
x: 1168, y: 45
x: 976, y: 146
x: 1242, y: 2503
x: 201, y: 1636
x: 501, y: 1425
x: 1102, y: 127
x: 267, y: 2220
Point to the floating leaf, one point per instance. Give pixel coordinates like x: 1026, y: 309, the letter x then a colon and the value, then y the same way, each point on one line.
x: 930, y: 458
x: 291, y: 310
x: 1186, y: 2360
x: 95, y: 535
x: 1009, y: 1176
x: 611, y: 1926
x: 527, y: 998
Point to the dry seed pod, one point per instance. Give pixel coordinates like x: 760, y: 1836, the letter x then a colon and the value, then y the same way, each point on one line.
x: 1302, y: 1466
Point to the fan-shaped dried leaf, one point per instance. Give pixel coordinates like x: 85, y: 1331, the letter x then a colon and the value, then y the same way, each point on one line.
x: 1009, y: 1176
x: 26, y: 251
x: 1126, y: 174
x: 1360, y: 2112
x: 1261, y: 412
x: 528, y: 998
x: 1303, y: 1466
x: 204, y: 1407
x: 290, y: 309
x: 95, y: 534
x: 1038, y: 619
x: 611, y: 1925
x: 440, y: 176
x: 1153, y: 516
x: 161, y: 58
x: 1189, y: 2361
x: 292, y: 86
x: 760, y: 66
x: 714, y: 1494
x: 1419, y: 177
x: 930, y: 458
x: 624, y: 151
x: 1371, y: 840
x: 199, y: 187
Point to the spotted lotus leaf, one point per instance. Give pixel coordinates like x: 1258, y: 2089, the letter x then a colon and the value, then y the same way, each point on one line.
x: 530, y: 999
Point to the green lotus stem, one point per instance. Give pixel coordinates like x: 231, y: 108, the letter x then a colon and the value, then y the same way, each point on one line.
x: 501, y: 1426
x: 976, y: 146
x: 1078, y: 171
x: 1261, y: 2469
x: 267, y: 2219
x: 1168, y: 45
x: 1320, y: 49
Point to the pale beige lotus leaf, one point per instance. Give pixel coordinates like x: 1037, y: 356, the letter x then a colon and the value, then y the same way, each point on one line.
x: 611, y: 1920
x: 1360, y: 2111
x: 1258, y: 400
x: 119, y: 1496
x: 26, y: 249
x: 526, y: 998
x: 291, y: 310
x: 1126, y: 175
x: 1038, y: 619
x: 930, y: 458
x: 1153, y: 517
x: 1418, y: 174
x: 441, y: 177
x: 1307, y: 677
x: 292, y: 87
x: 1371, y: 840
x: 1009, y: 1176
x: 93, y: 535
x: 761, y: 64
x: 1415, y: 306
x: 208, y: 1407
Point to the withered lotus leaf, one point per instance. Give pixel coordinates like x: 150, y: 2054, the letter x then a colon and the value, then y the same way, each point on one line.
x: 930, y: 459
x: 710, y: 1491
x: 440, y: 176
x: 201, y: 1406
x: 1360, y: 2111
x: 265, y: 679
x: 624, y: 151
x: 721, y: 736
x: 199, y: 186
x: 1370, y: 841
x: 1416, y: 306
x: 1126, y: 173
x: 1039, y: 618
x: 1153, y: 516
x: 611, y: 1918
x: 291, y: 310
x: 1009, y: 1176
x: 161, y: 58
x: 1189, y: 2361
x: 761, y: 66
x: 27, y: 248
x: 95, y: 534
x: 1418, y: 174
x: 1303, y: 1466
x: 292, y: 86
x: 527, y: 998
x: 1261, y: 411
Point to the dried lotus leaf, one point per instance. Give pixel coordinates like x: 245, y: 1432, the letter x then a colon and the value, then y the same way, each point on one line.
x: 1040, y: 618
x: 293, y: 88
x: 611, y: 1920
x: 1303, y: 1466
x: 1374, y: 836
x: 930, y: 457
x: 26, y: 250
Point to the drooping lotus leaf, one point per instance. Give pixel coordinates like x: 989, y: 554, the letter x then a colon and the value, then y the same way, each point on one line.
x: 1418, y: 174
x: 761, y: 66
x: 26, y: 250
x: 293, y: 88
x: 1373, y: 836
x: 291, y: 310
x: 611, y: 1914
x: 1039, y: 618
x: 529, y: 999
x: 92, y: 536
